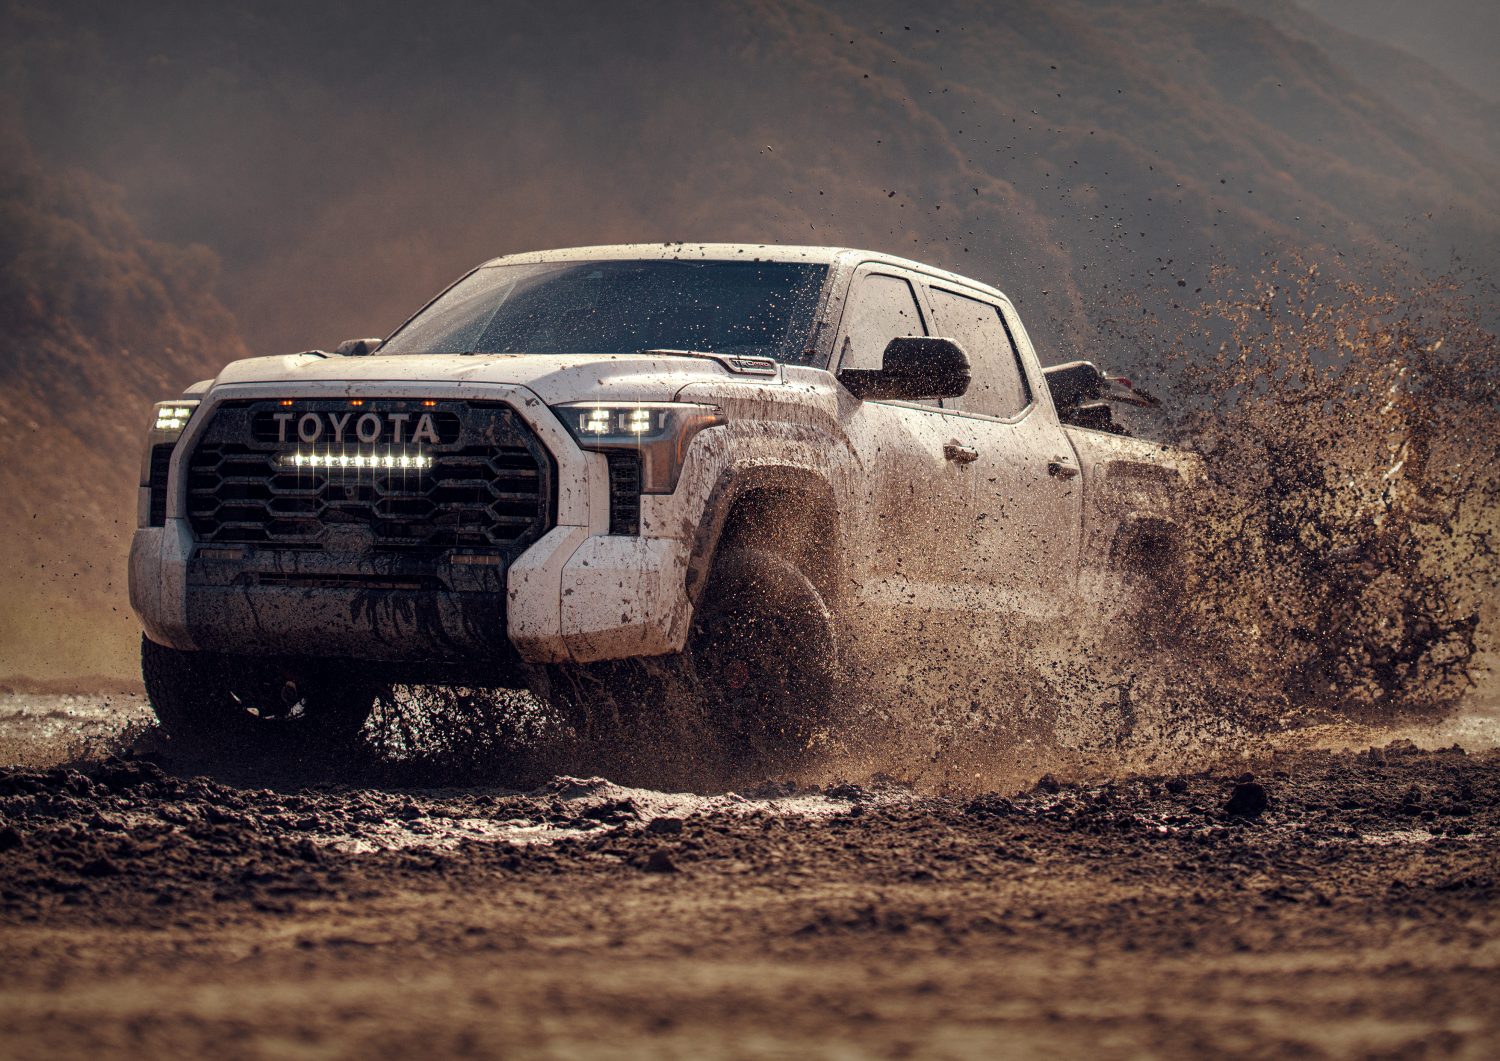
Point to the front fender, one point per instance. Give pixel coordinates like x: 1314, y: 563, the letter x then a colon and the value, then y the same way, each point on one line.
x: 734, y: 484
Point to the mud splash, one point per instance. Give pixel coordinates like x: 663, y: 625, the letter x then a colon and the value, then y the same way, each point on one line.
x: 1335, y: 572
x: 1339, y: 555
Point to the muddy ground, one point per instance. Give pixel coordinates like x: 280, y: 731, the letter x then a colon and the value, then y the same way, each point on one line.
x: 1340, y: 903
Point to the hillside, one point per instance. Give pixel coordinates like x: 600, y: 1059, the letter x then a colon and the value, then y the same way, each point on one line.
x: 346, y: 160
x: 95, y: 321
x: 1424, y: 91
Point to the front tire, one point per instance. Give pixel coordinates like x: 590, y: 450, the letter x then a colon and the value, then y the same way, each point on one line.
x: 759, y: 669
x: 209, y: 703
x: 765, y: 656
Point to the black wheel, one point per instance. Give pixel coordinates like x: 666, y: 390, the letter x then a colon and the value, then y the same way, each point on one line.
x: 221, y: 704
x: 757, y: 676
x: 764, y: 655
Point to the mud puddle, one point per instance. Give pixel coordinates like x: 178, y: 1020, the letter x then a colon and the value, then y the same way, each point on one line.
x: 570, y: 808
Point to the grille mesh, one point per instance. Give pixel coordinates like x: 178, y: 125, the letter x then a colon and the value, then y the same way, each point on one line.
x: 489, y: 486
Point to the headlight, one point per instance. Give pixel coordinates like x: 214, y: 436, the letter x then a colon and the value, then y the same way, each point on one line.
x: 169, y: 418
x: 167, y: 422
x: 659, y: 432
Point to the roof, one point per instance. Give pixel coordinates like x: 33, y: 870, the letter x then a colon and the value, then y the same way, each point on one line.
x: 769, y: 252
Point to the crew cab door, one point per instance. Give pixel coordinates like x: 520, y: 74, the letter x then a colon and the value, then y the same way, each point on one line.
x: 1028, y: 483
x: 914, y: 543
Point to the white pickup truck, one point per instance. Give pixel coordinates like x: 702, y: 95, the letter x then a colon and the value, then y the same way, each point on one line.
x: 576, y: 468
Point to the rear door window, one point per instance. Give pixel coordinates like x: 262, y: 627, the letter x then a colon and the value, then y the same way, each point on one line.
x: 998, y: 387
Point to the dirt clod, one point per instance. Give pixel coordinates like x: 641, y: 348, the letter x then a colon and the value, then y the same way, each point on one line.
x: 99, y: 867
x: 1248, y: 800
x: 660, y: 861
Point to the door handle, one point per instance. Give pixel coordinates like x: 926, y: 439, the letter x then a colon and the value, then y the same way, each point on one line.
x: 1061, y: 468
x: 960, y: 454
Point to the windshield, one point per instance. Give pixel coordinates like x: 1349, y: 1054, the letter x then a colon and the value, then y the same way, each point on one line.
x: 615, y: 307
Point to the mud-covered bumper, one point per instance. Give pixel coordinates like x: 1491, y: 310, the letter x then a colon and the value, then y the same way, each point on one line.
x: 571, y: 596
x: 577, y: 593
x: 262, y: 602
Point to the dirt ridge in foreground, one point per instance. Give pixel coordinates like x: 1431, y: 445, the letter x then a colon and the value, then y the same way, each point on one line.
x: 1354, y: 914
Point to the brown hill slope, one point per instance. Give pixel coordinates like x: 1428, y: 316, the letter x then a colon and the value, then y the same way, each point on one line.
x: 346, y: 160
x: 95, y: 321
x: 1425, y: 91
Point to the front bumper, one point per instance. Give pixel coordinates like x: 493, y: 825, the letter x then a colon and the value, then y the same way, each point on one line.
x: 576, y: 594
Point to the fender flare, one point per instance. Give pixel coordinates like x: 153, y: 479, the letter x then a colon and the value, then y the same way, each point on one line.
x: 733, y: 484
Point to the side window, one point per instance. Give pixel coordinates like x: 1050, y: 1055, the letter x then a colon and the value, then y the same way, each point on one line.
x: 881, y: 308
x: 999, y: 386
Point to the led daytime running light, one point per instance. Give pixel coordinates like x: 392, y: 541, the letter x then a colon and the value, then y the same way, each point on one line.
x: 169, y: 418
x: 659, y: 433
x: 172, y: 417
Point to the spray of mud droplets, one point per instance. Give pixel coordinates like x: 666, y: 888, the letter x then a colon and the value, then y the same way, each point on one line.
x: 1333, y: 560
x: 1338, y: 555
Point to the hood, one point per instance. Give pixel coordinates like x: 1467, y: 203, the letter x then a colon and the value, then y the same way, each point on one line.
x: 551, y: 377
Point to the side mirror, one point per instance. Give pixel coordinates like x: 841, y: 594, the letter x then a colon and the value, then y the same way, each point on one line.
x: 915, y: 368
x: 357, y: 347
x: 1082, y: 394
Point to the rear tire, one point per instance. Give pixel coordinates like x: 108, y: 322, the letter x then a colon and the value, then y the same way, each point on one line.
x: 215, y: 704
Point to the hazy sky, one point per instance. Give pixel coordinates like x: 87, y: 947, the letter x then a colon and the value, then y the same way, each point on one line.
x: 1461, y: 37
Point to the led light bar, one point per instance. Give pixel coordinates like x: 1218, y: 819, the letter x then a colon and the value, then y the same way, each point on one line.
x: 357, y: 461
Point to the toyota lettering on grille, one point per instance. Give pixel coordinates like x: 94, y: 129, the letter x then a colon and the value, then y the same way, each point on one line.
x: 369, y: 428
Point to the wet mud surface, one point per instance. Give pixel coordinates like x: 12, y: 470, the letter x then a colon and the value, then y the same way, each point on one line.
x: 1302, y: 902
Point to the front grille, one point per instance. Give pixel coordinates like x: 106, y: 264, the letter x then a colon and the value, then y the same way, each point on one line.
x: 485, y: 482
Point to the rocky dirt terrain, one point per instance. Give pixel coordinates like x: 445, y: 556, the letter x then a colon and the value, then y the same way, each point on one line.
x: 1302, y: 902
